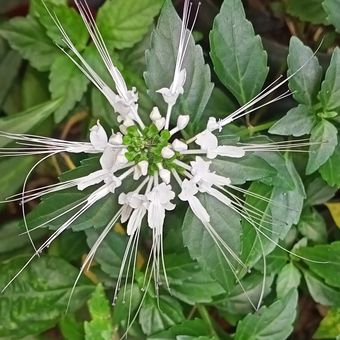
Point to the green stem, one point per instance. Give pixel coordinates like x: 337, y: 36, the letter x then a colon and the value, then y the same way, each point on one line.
x: 250, y: 130
x: 206, y: 317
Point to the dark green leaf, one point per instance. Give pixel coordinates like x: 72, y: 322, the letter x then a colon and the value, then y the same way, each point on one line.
x: 71, y: 329
x: 160, y: 66
x: 66, y: 82
x: 123, y: 23
x: 330, y: 88
x: 270, y: 323
x: 330, y: 171
x: 38, y: 298
x: 297, y: 122
x: 324, y: 134
x: 329, y: 327
x: 305, y: 84
x: 25, y: 121
x: 288, y: 278
x: 203, y: 248
x: 160, y: 313
x: 100, y: 327
x: 237, y: 54
x: 332, y: 9
x: 307, y: 10
x: 27, y: 36
x: 318, y: 192
x: 313, y: 226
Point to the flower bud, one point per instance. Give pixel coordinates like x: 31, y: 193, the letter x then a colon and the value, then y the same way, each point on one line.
x: 165, y: 175
x: 155, y: 115
x: 160, y: 123
x: 182, y: 121
x: 167, y: 152
x: 116, y: 139
x: 179, y: 146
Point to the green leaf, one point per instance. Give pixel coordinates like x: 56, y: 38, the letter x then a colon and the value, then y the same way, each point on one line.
x: 270, y: 323
x: 332, y: 9
x: 307, y: 10
x: 160, y: 66
x: 69, y: 19
x: 66, y: 82
x: 313, y: 226
x: 241, y: 170
x: 318, y: 192
x: 329, y: 253
x: 329, y: 326
x: 188, y: 282
x: 324, y: 134
x: 159, y: 313
x: 25, y: 121
x: 330, y: 171
x: 123, y: 23
x: 305, y: 84
x: 320, y: 292
x: 188, y: 329
x: 71, y: 329
x: 27, y: 36
x: 38, y: 298
x: 100, y: 327
x: 111, y: 251
x: 297, y: 122
x: 288, y: 278
x: 237, y: 53
x: 330, y: 88
x: 202, y: 247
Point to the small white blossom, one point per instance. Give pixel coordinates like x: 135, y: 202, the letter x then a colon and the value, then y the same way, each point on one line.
x: 98, y: 137
x: 167, y: 152
x: 179, y: 146
x: 141, y: 169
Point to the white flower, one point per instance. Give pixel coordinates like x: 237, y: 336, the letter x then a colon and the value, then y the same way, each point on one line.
x: 213, y: 124
x: 141, y: 169
x: 98, y: 137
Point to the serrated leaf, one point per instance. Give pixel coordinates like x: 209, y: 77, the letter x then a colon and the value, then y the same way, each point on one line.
x: 297, y: 122
x: 318, y: 192
x: 329, y: 327
x: 66, y: 82
x: 288, y: 278
x: 329, y: 253
x: 330, y: 88
x: 305, y: 84
x: 307, y: 10
x: 160, y: 313
x: 330, y: 171
x: 313, y: 226
x: 270, y: 323
x: 100, y: 327
x: 160, y: 66
x: 320, y: 292
x: 201, y: 245
x: 188, y: 282
x: 69, y: 19
x: 25, y: 121
x: 241, y: 170
x: 123, y: 23
x: 324, y: 135
x: 38, y: 298
x: 27, y: 36
x: 237, y: 54
x: 188, y: 329
x: 332, y: 9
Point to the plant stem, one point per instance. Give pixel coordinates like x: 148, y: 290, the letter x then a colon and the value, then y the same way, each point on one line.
x: 250, y: 130
x: 206, y: 317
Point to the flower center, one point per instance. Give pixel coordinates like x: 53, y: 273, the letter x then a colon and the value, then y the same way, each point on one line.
x: 147, y: 145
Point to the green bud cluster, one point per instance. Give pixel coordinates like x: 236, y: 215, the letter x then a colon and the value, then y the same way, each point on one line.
x: 147, y: 145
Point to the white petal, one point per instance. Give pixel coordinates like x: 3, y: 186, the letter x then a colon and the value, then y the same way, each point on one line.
x: 116, y: 139
x: 155, y: 114
x: 126, y: 212
x: 98, y: 137
x: 107, y: 160
x: 160, y: 123
x: 135, y: 220
x: 231, y: 151
x: 143, y: 166
x: 198, y: 209
x: 91, y: 179
x: 221, y: 197
x: 156, y: 215
x: 207, y: 140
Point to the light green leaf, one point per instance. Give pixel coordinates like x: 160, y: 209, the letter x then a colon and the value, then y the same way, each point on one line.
x: 27, y: 36
x: 313, y: 226
x: 329, y: 253
x: 329, y: 326
x: 160, y: 66
x: 307, y: 10
x: 100, y: 327
x: 66, y: 82
x: 25, y: 121
x: 324, y: 135
x: 330, y: 88
x: 288, y: 278
x: 38, y: 298
x: 297, y: 122
x: 71, y: 329
x: 188, y: 282
x: 318, y: 192
x: 270, y: 323
x: 237, y: 54
x: 159, y: 314
x: 332, y: 9
x: 305, y: 84
x: 123, y: 23
x: 202, y: 247
x: 330, y: 171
